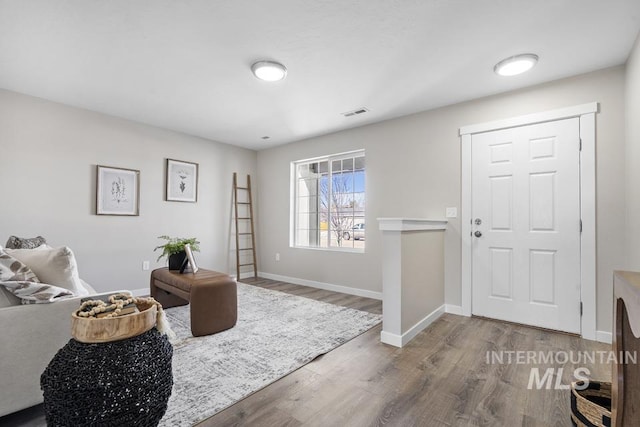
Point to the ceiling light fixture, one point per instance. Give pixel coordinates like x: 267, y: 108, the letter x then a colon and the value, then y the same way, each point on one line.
x: 515, y: 65
x: 269, y: 71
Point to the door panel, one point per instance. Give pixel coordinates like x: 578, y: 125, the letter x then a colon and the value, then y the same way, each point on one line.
x: 542, y: 205
x: 501, y: 202
x: 526, y: 206
x: 501, y: 273
x: 543, y: 271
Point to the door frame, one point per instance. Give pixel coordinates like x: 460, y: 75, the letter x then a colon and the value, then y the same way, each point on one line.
x: 586, y: 113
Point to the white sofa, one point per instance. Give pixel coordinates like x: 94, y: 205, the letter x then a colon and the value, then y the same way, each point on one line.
x: 30, y: 335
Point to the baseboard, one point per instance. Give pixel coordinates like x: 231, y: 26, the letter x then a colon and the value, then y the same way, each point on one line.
x: 140, y: 292
x: 402, y: 340
x: 391, y: 339
x: 453, y: 309
x: 605, y: 337
x: 421, y: 325
x: 321, y: 285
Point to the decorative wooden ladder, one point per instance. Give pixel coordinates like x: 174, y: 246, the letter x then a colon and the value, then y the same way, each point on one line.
x: 241, y: 227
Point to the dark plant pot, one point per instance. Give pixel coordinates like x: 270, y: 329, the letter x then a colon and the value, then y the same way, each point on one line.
x: 176, y: 260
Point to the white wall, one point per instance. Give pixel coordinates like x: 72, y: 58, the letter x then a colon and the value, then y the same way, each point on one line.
x: 413, y: 170
x: 633, y: 157
x: 48, y: 156
x: 422, y: 275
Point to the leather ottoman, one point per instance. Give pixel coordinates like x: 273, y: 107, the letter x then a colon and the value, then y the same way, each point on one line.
x: 212, y: 295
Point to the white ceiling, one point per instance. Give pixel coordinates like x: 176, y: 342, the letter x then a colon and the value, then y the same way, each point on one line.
x: 185, y: 64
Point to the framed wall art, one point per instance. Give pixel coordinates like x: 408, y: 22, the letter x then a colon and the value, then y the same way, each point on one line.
x: 190, y: 260
x: 182, y: 181
x: 117, y: 191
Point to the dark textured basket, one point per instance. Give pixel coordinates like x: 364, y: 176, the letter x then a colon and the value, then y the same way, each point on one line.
x: 119, y: 383
x: 591, y: 407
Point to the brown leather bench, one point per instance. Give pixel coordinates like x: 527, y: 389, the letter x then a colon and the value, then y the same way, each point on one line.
x: 212, y: 295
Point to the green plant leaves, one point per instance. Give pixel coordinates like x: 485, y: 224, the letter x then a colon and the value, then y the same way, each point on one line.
x: 175, y: 245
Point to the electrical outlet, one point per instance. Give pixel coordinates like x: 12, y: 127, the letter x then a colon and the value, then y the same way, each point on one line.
x: 145, y: 265
x: 452, y: 213
x: 277, y: 256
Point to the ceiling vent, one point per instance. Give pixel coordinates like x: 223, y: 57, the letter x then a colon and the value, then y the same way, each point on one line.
x: 355, y: 112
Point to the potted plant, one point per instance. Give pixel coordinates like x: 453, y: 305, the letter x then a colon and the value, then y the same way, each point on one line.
x: 173, y: 249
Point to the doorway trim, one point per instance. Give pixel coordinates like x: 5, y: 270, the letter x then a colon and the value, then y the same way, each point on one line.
x: 586, y: 113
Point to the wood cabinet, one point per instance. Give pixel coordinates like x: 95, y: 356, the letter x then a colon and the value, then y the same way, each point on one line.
x: 625, y: 410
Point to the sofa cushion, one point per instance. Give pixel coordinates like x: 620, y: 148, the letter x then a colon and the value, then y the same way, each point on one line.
x: 54, y: 266
x: 16, y: 242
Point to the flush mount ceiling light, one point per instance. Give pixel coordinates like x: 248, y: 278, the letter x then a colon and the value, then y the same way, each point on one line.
x: 515, y: 65
x: 269, y: 71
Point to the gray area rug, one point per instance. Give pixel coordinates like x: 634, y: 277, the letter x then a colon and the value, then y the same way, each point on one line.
x: 276, y: 334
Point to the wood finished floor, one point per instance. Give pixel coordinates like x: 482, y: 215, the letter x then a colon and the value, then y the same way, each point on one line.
x: 440, y: 378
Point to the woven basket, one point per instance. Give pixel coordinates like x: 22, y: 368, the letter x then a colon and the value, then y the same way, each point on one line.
x: 92, y: 330
x: 113, y: 384
x: 591, y: 407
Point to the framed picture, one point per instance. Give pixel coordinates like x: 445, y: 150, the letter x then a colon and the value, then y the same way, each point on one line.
x: 182, y: 181
x: 190, y: 259
x: 117, y: 191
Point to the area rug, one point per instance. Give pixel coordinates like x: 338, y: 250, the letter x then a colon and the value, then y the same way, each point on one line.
x: 276, y: 334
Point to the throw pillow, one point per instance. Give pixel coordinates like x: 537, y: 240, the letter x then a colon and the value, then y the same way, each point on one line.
x: 36, y: 293
x: 15, y: 242
x: 13, y: 270
x: 54, y: 266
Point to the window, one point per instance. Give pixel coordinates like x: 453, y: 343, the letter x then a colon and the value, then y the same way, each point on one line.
x: 329, y: 202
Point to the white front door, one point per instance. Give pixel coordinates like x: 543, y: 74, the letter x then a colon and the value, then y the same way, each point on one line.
x: 526, y: 225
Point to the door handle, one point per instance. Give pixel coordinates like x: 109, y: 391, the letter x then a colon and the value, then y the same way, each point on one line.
x: 477, y: 234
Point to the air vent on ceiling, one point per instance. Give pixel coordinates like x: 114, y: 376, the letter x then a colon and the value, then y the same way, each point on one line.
x: 355, y: 112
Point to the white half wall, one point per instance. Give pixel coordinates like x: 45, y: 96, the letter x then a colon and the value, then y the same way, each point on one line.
x: 47, y: 169
x: 412, y: 276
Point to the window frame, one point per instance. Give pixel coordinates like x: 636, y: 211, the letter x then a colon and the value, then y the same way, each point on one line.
x: 293, y: 221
